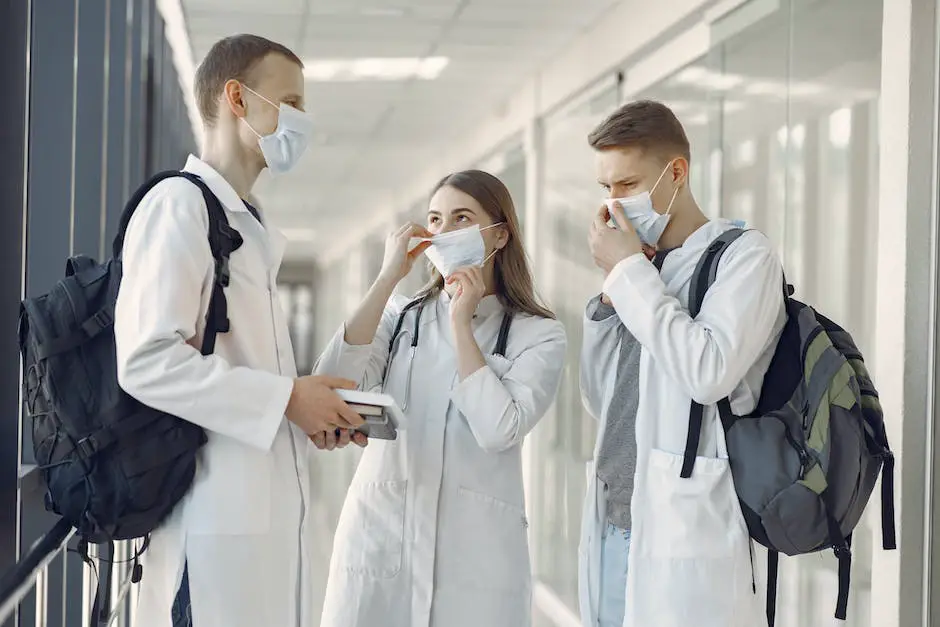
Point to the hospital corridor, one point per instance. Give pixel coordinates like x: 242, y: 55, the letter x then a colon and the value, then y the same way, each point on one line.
x: 484, y: 143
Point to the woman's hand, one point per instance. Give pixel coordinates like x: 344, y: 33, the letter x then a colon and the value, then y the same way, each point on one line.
x: 470, y: 291
x: 399, y: 260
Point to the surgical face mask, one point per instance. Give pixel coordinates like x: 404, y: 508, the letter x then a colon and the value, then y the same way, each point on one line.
x: 283, y: 148
x: 638, y: 209
x: 458, y: 249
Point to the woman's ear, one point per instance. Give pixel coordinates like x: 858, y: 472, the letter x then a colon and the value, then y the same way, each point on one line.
x: 502, y: 237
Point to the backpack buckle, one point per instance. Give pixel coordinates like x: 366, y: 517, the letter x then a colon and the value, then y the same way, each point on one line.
x: 222, y: 273
x: 94, y: 443
x: 87, y: 447
x: 98, y: 323
x: 842, y: 551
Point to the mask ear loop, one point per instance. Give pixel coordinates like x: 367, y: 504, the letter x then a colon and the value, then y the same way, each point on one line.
x: 260, y: 96
x: 495, y: 250
x: 656, y: 184
x: 249, y: 89
x: 669, y: 208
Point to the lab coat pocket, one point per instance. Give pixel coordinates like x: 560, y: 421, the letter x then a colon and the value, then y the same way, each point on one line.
x: 687, y: 551
x: 371, y: 529
x: 698, y: 516
x: 494, y: 542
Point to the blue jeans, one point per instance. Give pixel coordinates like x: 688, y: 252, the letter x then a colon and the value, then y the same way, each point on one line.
x: 615, y: 549
x: 182, y: 612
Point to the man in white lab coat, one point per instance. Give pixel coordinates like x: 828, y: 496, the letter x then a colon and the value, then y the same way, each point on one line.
x: 238, y: 534
x: 658, y: 550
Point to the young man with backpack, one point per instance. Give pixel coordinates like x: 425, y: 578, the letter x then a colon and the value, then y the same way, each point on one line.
x: 683, y: 541
x: 731, y: 414
x: 235, y: 544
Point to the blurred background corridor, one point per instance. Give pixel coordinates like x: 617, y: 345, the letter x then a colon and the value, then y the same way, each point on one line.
x: 812, y: 120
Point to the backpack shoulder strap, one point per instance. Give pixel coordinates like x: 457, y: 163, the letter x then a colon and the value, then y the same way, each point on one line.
x: 702, y: 278
x: 223, y: 241
x: 707, y: 269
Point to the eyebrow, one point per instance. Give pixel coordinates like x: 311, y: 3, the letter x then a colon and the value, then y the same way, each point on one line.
x: 624, y: 181
x: 456, y: 210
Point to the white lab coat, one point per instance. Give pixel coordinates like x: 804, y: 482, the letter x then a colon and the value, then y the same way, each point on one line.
x: 433, y: 530
x: 240, y: 527
x: 689, y: 561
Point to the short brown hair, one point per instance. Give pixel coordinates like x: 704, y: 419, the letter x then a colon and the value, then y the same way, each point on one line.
x: 231, y: 58
x: 645, y: 124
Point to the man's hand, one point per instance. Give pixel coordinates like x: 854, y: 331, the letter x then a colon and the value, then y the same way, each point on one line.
x: 610, y: 246
x: 338, y: 438
x: 314, y: 406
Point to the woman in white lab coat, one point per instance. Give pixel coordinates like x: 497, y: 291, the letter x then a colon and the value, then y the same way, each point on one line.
x: 433, y: 532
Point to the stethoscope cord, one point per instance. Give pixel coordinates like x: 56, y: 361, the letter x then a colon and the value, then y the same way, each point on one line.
x: 419, y: 303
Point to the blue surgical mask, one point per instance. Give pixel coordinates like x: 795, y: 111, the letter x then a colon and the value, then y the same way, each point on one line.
x: 647, y: 222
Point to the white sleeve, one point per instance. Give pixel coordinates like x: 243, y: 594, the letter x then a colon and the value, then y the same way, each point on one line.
x: 501, y: 411
x: 600, y: 352
x: 364, y: 364
x: 166, y: 263
x: 707, y: 356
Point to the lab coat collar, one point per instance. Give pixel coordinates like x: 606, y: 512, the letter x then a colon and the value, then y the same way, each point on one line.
x: 275, y: 240
x: 694, y: 245
x: 705, y: 234
x: 217, y: 183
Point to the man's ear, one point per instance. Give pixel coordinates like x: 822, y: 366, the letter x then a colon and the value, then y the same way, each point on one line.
x: 234, y: 97
x: 680, y: 172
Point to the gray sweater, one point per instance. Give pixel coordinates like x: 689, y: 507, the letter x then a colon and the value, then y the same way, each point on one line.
x: 616, y: 460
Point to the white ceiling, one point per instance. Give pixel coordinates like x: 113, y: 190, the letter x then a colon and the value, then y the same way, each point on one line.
x: 373, y: 137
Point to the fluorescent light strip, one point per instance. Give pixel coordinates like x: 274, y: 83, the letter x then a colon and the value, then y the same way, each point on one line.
x: 177, y: 36
x: 374, y: 69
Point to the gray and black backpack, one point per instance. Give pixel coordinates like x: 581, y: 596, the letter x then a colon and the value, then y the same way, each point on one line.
x: 806, y: 460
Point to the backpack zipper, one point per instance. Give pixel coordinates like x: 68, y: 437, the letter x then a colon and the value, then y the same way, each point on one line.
x: 806, y: 461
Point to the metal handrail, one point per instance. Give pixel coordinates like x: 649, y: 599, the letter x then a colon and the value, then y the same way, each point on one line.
x: 17, y: 582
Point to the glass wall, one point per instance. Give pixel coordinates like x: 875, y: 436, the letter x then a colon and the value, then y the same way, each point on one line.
x: 781, y: 112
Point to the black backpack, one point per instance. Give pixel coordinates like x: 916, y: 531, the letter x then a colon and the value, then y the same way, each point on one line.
x: 806, y: 460
x: 113, y: 467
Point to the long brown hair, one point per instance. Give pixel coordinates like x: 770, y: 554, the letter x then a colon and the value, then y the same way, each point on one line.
x: 511, y: 266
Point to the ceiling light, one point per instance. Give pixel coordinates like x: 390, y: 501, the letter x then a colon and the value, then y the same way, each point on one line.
x: 705, y: 78
x: 375, y: 69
